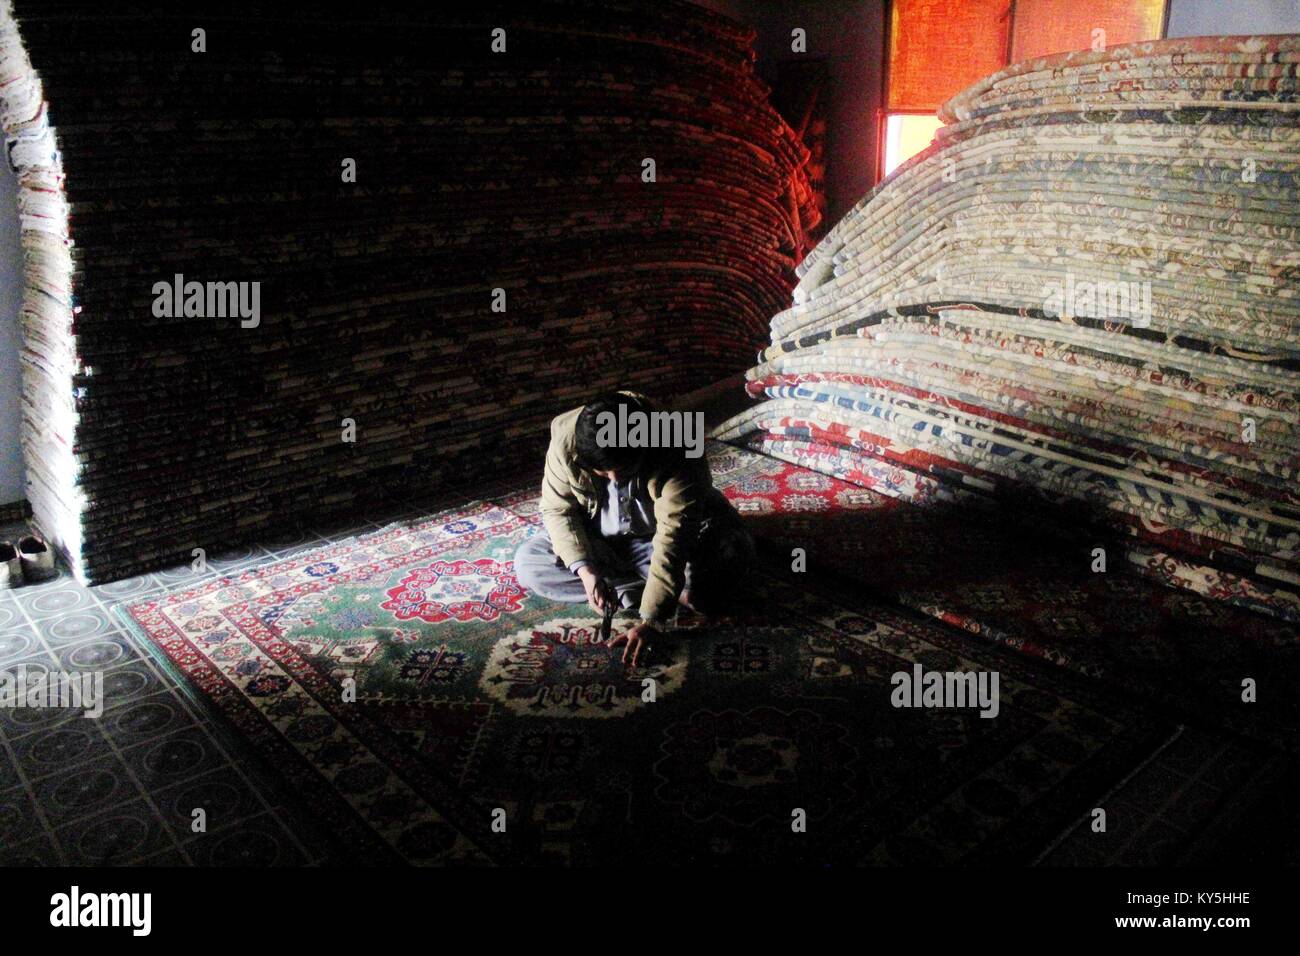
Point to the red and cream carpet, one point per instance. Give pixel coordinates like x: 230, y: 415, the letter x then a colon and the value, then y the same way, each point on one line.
x: 414, y: 695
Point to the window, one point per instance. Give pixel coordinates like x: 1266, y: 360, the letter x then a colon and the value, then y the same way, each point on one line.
x: 906, y: 134
x: 936, y: 48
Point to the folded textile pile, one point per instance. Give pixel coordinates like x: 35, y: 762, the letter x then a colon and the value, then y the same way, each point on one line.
x: 433, y: 228
x: 1083, y: 294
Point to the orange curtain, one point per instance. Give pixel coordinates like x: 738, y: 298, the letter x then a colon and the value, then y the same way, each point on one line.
x: 940, y: 47
x: 1055, y: 26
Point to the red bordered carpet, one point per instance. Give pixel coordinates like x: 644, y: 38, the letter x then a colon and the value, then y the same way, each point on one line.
x: 472, y: 696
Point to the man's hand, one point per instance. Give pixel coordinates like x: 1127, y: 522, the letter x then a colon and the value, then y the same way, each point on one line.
x: 638, y: 639
x: 591, y: 583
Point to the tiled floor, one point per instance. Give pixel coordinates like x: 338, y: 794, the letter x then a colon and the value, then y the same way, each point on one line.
x: 122, y: 788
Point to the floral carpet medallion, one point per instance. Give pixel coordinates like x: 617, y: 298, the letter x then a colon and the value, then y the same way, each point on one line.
x: 562, y: 668
x: 462, y: 591
x: 407, y: 687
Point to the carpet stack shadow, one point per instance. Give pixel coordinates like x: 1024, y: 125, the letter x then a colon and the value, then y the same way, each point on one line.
x: 1080, y: 304
x: 501, y: 251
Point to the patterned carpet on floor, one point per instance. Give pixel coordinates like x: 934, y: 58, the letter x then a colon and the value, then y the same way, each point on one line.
x: 472, y: 695
x: 1030, y: 585
x: 408, y: 688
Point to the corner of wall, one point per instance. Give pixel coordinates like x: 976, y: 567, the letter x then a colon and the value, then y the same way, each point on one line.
x: 48, y: 359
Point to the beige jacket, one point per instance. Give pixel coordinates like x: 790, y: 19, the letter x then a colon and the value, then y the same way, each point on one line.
x: 571, y: 500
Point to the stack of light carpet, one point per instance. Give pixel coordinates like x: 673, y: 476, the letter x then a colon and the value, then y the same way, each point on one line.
x: 1080, y: 302
x: 478, y: 167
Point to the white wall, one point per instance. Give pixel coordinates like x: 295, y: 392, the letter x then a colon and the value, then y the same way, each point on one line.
x: 1194, y: 18
x: 11, y: 297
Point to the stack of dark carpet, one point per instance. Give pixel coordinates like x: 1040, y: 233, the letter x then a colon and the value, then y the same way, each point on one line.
x: 476, y: 170
x: 1079, y: 303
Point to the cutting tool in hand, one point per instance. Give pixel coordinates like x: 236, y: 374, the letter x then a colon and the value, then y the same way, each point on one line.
x: 609, y: 596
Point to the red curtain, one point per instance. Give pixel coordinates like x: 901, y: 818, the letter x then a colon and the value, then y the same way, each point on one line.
x: 939, y: 47
x: 1054, y: 26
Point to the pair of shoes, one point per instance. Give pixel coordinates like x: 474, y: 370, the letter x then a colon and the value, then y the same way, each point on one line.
x: 32, y: 560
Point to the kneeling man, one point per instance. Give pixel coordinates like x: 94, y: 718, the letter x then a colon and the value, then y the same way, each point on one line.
x: 629, y: 521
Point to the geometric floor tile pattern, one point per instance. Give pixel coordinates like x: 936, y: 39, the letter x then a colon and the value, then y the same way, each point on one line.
x: 120, y: 789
